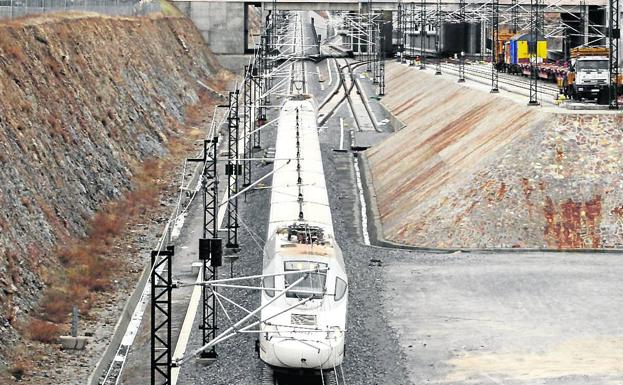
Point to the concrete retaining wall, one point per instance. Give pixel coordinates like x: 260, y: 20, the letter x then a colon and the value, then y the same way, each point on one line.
x: 222, y: 24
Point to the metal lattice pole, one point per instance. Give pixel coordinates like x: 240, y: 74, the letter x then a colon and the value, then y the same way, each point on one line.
x: 260, y: 117
x: 265, y: 57
x: 209, y: 261
x: 494, y: 45
x: 423, y: 34
x: 614, y: 35
x: 411, y: 34
x: 210, y: 246
x: 403, y: 19
x: 382, y: 67
x: 515, y: 16
x: 259, y: 90
x: 534, y: 52
x: 462, y: 53
x: 273, y: 44
x: 377, y: 55
x: 399, y: 31
x: 233, y: 170
x: 247, y: 126
x: 274, y: 25
x: 584, y: 22
x: 161, y: 288
x: 438, y: 40
x: 369, y: 38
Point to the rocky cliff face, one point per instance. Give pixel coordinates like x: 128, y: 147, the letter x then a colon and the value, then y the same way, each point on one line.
x: 474, y: 170
x: 84, y: 101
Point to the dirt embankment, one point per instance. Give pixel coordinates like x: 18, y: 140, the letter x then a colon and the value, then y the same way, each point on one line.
x: 93, y: 110
x: 473, y: 169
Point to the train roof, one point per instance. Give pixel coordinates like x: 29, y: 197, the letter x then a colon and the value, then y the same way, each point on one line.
x: 285, y: 205
x: 526, y: 37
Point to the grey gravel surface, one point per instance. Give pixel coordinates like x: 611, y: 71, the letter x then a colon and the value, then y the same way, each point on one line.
x: 542, y: 318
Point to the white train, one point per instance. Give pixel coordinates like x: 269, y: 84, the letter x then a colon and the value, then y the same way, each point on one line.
x: 304, y: 329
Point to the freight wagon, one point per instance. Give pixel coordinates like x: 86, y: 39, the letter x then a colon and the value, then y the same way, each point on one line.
x: 517, y: 53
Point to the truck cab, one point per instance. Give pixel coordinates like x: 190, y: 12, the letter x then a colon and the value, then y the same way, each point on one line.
x: 591, y: 75
x: 589, y: 72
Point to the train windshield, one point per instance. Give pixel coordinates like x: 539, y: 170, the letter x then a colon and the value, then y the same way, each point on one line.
x: 592, y: 65
x: 313, y: 284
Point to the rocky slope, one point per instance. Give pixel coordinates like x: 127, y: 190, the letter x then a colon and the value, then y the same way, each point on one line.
x: 473, y: 169
x: 85, y: 102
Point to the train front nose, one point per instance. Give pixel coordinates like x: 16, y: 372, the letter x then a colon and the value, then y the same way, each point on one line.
x: 300, y: 354
x: 305, y: 352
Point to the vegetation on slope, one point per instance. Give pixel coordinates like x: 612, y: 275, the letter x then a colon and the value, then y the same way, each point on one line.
x: 93, y: 113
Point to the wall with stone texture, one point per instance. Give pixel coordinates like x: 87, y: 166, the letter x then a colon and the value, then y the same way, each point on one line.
x: 83, y: 101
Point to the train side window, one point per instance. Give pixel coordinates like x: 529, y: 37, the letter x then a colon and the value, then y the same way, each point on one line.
x: 340, y: 288
x: 269, y: 283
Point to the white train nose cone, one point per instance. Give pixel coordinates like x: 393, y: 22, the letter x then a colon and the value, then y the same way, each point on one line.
x: 312, y: 355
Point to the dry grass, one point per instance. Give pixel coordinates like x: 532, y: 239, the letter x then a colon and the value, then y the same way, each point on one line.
x: 14, y: 50
x: 221, y: 82
x: 19, y: 364
x: 43, y: 331
x: 56, y: 305
x: 19, y: 369
x: 86, y: 267
x: 196, y: 115
x: 25, y: 201
x: 54, y: 65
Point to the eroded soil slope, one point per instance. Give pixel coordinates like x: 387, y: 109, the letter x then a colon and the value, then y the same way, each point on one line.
x: 85, y: 101
x: 473, y: 169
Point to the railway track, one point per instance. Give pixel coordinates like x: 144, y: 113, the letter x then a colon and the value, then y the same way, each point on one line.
x: 333, y: 377
x: 484, y: 76
x: 329, y: 105
x: 363, y: 117
x: 486, y: 69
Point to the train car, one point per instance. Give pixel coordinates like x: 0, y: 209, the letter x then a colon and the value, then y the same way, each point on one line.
x: 520, y: 52
x: 517, y: 53
x: 304, y: 330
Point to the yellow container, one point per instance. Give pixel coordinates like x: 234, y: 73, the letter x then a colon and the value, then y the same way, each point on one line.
x: 541, y: 49
x: 524, y: 54
x: 522, y: 50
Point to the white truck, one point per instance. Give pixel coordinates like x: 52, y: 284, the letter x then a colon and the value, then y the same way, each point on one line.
x: 589, y: 72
